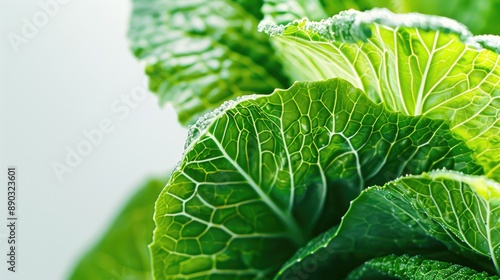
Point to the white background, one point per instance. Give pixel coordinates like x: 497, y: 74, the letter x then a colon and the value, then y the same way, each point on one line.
x: 60, y: 83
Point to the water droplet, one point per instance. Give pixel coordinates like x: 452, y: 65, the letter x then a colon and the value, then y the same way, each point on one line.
x: 411, y: 223
x: 449, y: 219
x: 305, y: 124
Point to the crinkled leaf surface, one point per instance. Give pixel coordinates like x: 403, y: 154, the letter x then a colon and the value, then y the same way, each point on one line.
x: 482, y: 17
x: 200, y: 53
x: 122, y: 252
x: 462, y: 212
x: 415, y: 268
x: 260, y: 176
x: 415, y: 64
x: 371, y: 228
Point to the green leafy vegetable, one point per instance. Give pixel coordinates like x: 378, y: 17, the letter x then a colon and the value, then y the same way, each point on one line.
x: 201, y: 53
x: 410, y: 215
x: 380, y: 162
x: 405, y: 267
x: 415, y: 64
x: 263, y: 175
x: 122, y: 253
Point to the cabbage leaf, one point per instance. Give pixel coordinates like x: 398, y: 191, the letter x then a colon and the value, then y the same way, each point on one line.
x: 253, y: 185
x: 414, y: 64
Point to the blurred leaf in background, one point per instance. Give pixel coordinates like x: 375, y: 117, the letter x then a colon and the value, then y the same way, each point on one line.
x: 122, y: 252
x: 201, y: 53
x: 481, y: 17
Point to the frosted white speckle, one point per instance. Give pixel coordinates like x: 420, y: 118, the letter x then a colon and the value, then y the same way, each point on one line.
x: 491, y: 42
x: 350, y: 25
